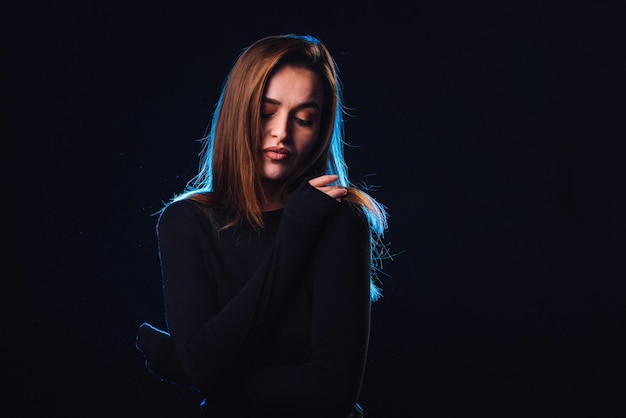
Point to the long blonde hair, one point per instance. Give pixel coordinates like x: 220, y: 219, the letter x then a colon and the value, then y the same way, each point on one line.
x: 228, y: 174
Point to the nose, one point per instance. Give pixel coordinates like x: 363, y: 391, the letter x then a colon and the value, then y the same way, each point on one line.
x: 279, y: 129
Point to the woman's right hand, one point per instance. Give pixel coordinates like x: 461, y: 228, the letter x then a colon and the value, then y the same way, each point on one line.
x: 322, y: 183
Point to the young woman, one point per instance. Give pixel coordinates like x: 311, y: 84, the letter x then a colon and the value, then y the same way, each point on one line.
x: 269, y: 257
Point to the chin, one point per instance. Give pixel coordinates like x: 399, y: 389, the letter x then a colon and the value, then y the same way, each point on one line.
x: 279, y: 176
x: 275, y: 178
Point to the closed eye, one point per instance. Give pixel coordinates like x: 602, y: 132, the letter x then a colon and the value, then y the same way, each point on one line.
x: 304, y: 123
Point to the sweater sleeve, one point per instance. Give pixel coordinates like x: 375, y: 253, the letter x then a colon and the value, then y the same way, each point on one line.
x: 329, y: 383
x: 213, y: 344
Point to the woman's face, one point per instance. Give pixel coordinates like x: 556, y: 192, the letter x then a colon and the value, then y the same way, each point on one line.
x: 290, y: 116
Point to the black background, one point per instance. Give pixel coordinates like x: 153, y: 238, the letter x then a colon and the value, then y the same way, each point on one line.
x: 494, y: 131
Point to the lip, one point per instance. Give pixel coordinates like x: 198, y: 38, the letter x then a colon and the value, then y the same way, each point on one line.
x: 276, y: 153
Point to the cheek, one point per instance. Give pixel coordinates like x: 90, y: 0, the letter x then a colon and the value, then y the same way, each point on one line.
x: 307, y: 142
x: 265, y: 128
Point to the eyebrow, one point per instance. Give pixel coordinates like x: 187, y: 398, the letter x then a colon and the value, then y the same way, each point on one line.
x: 304, y: 105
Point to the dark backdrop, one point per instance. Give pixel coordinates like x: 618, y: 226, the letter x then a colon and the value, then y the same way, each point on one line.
x: 493, y: 130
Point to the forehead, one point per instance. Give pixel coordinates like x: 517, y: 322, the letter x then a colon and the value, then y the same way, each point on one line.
x: 293, y: 84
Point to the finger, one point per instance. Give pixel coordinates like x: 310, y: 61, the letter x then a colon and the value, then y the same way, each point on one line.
x: 323, y: 180
x: 335, y: 192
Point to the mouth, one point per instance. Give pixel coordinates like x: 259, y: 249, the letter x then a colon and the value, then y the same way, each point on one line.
x: 276, y: 153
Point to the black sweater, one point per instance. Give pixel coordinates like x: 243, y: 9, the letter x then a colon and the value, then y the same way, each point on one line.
x: 265, y: 323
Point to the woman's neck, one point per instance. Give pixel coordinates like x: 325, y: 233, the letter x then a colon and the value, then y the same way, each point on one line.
x: 274, y: 196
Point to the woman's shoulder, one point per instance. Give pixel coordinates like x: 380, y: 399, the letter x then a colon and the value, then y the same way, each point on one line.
x: 353, y: 212
x: 181, y: 205
x: 191, y: 206
x: 368, y: 209
x: 189, y: 201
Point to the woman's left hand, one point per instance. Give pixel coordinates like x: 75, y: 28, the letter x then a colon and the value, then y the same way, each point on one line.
x: 321, y: 183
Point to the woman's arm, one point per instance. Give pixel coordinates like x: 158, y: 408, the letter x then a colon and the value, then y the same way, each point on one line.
x: 331, y: 379
x: 214, y: 344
